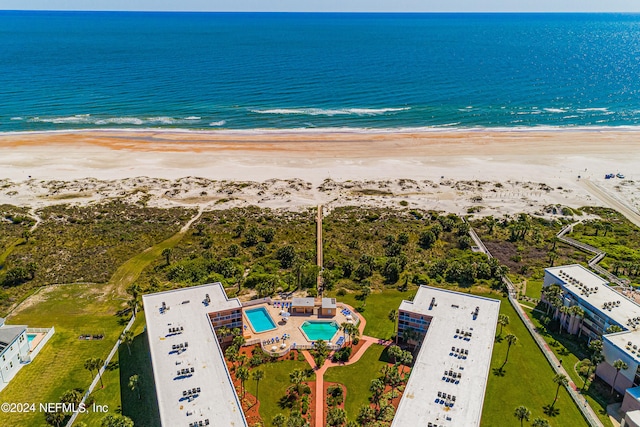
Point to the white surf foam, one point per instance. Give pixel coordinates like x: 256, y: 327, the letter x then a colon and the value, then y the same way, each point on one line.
x: 330, y: 112
x: 218, y: 123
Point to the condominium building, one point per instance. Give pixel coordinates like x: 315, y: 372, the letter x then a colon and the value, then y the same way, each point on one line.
x: 192, y: 382
x: 456, y: 332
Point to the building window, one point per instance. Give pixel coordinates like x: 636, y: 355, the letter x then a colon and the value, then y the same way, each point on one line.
x: 11, y: 364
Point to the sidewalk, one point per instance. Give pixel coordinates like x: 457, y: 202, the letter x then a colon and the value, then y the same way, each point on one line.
x: 319, y: 391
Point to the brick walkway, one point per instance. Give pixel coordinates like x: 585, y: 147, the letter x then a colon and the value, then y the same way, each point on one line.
x: 319, y: 391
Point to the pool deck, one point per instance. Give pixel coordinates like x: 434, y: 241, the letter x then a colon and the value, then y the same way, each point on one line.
x: 39, y: 336
x: 290, y: 327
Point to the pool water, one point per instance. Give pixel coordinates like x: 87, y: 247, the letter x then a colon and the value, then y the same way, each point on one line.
x: 317, y: 330
x: 260, y: 319
x: 31, y: 337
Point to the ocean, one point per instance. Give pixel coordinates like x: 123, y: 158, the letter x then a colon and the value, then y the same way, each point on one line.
x: 246, y: 71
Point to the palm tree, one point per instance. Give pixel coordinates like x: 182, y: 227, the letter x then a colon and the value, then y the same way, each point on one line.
x: 561, y: 380
x: 406, y: 359
x: 395, y: 352
x: 297, y: 377
x: 127, y: 338
x: 366, y: 415
x: 564, y: 310
x: 336, y: 417
x: 242, y: 374
x: 98, y: 362
x: 376, y: 388
x: 166, y: 253
x: 409, y: 334
x: 344, y: 327
x: 279, y: 420
x: 257, y: 375
x: 90, y: 365
x: 503, y: 320
x: 579, y: 313
x: 511, y: 340
x: 540, y: 422
x: 522, y: 413
x: 134, y: 384
x: 393, y: 315
x: 585, y: 371
x: 618, y: 365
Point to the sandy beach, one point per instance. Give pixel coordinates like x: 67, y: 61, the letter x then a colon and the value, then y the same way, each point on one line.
x: 493, y: 172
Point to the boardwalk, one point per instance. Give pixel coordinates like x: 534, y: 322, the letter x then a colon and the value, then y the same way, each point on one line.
x: 319, y: 246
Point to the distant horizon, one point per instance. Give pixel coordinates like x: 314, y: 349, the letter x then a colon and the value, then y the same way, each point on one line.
x: 338, y: 12
x: 329, y: 6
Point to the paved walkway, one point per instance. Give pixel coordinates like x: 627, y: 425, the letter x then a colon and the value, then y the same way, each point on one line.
x: 319, y: 391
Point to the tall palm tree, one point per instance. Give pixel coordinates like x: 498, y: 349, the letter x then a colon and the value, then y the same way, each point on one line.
x: 579, y: 313
x: 511, y: 340
x: 376, y: 388
x: 564, y: 310
x: 134, y: 384
x: 503, y: 320
x: 90, y: 365
x: 242, y: 374
x: 618, y: 365
x: 585, y: 370
x: 127, y: 338
x: 522, y: 413
x: 297, y: 377
x: 98, y: 365
x: 344, y: 327
x: 561, y: 380
x: 257, y: 375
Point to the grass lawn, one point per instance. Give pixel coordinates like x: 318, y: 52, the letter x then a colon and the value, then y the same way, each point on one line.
x: 73, y: 310
x: 534, y: 287
x: 528, y: 381
x: 357, y: 378
x: 570, y: 350
x: 379, y: 304
x: 143, y: 411
x: 274, y: 386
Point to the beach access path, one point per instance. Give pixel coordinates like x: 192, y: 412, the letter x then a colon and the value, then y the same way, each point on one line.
x: 319, y: 371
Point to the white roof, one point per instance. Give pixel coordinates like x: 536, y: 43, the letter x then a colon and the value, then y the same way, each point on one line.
x: 328, y: 303
x: 633, y: 416
x: 217, y: 401
x: 595, y: 291
x: 452, y: 311
x: 622, y: 339
x: 303, y: 302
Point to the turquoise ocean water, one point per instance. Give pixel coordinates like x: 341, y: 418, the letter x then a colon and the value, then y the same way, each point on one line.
x: 76, y: 70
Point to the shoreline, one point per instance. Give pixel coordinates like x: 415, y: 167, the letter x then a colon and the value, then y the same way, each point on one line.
x: 513, y: 171
x: 338, y: 130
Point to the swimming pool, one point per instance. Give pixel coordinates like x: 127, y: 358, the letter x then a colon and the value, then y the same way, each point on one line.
x: 31, y: 337
x: 260, y: 320
x: 319, y: 330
